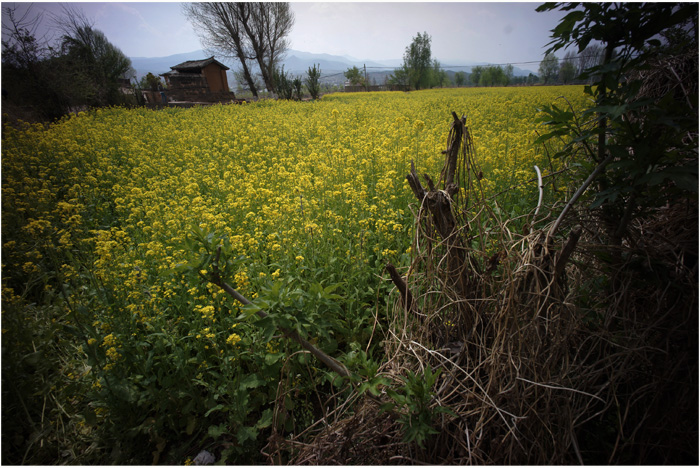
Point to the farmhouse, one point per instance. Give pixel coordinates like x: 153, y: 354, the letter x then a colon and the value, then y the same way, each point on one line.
x: 198, y: 81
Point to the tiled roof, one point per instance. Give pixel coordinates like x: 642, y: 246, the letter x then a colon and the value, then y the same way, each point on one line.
x: 194, y: 65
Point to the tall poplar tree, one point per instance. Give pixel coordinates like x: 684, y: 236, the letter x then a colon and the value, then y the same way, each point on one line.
x: 417, y: 62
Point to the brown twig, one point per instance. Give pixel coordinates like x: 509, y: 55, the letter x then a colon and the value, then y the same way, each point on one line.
x: 405, y: 293
x: 332, y: 363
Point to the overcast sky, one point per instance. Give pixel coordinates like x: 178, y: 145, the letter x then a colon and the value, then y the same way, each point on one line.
x: 461, y: 31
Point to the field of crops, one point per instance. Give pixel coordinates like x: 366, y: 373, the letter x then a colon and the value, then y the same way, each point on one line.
x: 117, y: 349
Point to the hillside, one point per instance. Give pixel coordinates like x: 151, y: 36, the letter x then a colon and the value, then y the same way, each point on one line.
x: 298, y: 62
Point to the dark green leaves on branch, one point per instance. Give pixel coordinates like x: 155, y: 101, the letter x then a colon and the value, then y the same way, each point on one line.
x: 642, y: 128
x: 417, y: 69
x: 313, y: 77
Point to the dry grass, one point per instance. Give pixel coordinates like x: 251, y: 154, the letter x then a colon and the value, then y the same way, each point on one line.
x: 549, y: 353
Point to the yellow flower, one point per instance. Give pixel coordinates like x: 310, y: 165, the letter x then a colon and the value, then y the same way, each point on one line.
x: 233, y: 339
x: 109, y: 340
x: 112, y: 353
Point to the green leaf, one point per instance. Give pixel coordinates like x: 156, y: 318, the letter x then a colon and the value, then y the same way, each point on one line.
x: 547, y: 7
x: 249, y: 310
x: 446, y: 410
x: 387, y: 407
x: 251, y: 381
x: 331, y: 288
x: 211, y: 410
x: 245, y: 434
x: 90, y: 416
x: 191, y: 422
x: 216, y: 431
x: 265, y: 419
x: 272, y: 358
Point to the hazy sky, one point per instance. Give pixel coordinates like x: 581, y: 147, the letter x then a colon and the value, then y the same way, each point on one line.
x: 460, y: 31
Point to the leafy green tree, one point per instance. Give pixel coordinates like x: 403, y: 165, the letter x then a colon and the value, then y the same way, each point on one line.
x: 489, y: 76
x: 83, y: 69
x: 475, y: 76
x: 417, y: 59
x: 296, y: 85
x: 312, y: 81
x: 99, y: 62
x: 151, y: 81
x: 549, y: 68
x: 460, y: 78
x: 400, y: 76
x: 355, y: 76
x: 567, y: 69
x: 508, y: 72
x: 28, y: 79
x: 283, y: 83
x: 638, y: 145
x: 439, y: 76
x: 486, y: 77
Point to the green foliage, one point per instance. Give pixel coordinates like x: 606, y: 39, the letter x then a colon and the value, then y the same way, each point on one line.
x: 364, y: 371
x: 309, y: 310
x: 439, y: 76
x: 418, y: 70
x: 151, y: 81
x: 400, y: 76
x: 460, y: 78
x: 284, y: 84
x: 355, y: 76
x: 491, y: 75
x: 549, y: 68
x: 640, y: 142
x: 567, y: 69
x: 85, y: 69
x: 417, y: 59
x: 312, y: 81
x: 296, y: 85
x: 413, y: 402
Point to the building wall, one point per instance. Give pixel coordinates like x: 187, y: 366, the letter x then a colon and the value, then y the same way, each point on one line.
x: 210, y: 85
x: 216, y: 77
x: 187, y: 87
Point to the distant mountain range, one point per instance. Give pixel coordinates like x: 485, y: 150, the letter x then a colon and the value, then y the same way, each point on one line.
x: 298, y: 62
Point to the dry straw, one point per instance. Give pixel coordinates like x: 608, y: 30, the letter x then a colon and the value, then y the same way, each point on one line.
x: 549, y: 355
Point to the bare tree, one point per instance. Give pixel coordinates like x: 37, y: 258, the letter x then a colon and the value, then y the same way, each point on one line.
x: 271, y: 24
x: 567, y: 67
x: 101, y: 64
x: 250, y: 32
x: 220, y: 28
x: 591, y: 56
x: 242, y: 81
x: 20, y: 46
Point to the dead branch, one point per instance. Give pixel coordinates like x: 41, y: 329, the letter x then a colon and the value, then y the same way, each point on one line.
x: 405, y: 293
x: 332, y: 363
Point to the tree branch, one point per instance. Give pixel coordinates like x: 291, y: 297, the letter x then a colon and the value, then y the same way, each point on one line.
x: 332, y: 363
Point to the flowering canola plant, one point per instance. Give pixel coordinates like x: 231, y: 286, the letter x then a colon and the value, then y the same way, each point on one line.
x: 99, y: 212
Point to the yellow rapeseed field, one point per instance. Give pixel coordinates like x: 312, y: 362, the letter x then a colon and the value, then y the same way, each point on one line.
x: 105, y: 215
